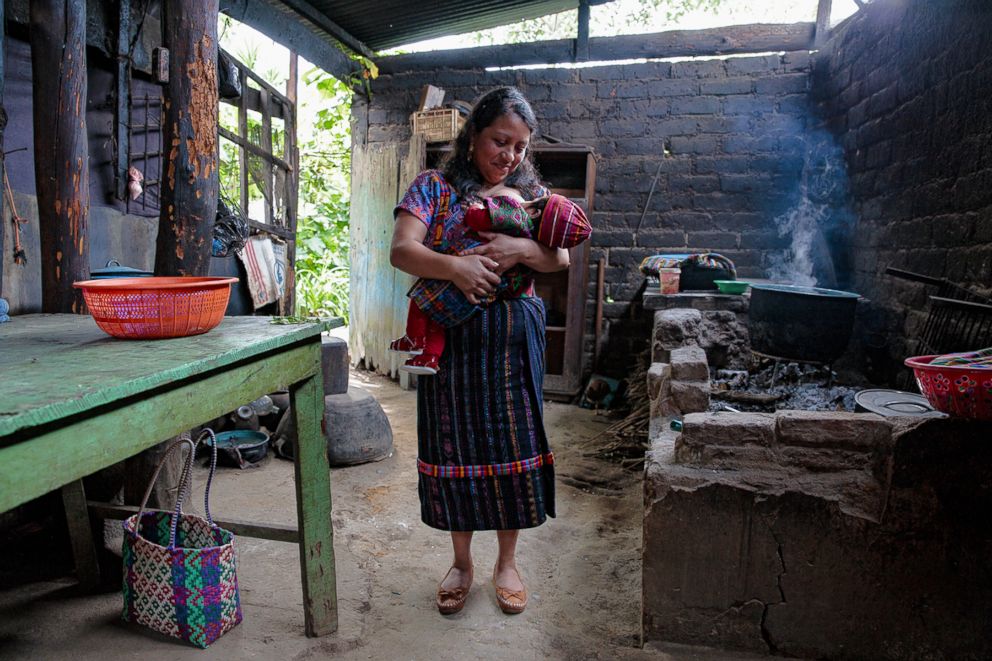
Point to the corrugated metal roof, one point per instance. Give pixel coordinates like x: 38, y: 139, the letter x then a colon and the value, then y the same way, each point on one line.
x: 390, y: 23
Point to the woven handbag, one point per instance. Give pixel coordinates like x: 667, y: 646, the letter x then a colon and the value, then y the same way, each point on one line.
x: 180, y: 574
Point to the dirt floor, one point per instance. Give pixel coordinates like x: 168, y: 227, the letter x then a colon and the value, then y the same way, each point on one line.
x: 582, y: 569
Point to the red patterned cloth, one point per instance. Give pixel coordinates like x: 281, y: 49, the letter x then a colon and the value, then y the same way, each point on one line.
x: 563, y: 223
x: 486, y: 470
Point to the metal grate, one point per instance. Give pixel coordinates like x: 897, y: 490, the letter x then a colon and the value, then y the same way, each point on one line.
x: 954, y: 325
x: 149, y: 159
x: 957, y: 319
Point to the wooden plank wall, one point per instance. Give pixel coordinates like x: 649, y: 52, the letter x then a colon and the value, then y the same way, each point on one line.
x: 380, y: 175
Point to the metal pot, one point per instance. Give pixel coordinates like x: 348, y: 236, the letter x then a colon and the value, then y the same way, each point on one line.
x: 113, y: 269
x: 242, y: 447
x: 800, y: 323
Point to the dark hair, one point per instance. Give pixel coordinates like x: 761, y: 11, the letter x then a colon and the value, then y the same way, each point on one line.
x: 458, y: 167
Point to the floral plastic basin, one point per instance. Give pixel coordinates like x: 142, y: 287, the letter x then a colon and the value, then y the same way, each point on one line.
x: 965, y: 392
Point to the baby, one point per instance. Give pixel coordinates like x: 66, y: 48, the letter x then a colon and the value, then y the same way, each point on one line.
x: 554, y: 221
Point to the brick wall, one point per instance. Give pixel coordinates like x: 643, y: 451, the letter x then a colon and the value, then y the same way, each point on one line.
x: 725, y: 133
x: 907, y: 87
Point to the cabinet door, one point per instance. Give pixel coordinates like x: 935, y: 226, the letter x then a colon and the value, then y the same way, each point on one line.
x: 564, y: 300
x: 570, y: 170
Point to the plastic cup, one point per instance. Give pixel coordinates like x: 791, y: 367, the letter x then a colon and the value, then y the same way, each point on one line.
x: 669, y: 277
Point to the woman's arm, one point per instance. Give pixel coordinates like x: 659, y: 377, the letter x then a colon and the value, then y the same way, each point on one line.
x: 472, y: 274
x: 509, y: 251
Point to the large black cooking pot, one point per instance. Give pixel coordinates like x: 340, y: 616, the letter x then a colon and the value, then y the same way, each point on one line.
x: 800, y: 323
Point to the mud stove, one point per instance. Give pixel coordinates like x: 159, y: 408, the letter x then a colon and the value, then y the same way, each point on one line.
x: 820, y: 534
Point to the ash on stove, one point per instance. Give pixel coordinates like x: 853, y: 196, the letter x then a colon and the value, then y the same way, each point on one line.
x: 771, y: 387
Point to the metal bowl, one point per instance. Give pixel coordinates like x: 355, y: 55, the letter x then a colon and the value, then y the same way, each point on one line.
x: 242, y: 446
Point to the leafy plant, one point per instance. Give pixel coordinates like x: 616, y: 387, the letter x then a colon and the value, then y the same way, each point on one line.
x: 609, y: 19
x: 322, y: 240
x: 324, y: 135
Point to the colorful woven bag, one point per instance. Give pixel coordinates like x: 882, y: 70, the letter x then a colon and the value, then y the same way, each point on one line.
x: 180, y: 574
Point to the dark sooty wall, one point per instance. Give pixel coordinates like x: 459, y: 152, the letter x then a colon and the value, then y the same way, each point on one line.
x: 907, y: 87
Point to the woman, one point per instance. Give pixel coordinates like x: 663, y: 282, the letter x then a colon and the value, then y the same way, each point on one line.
x: 483, y: 456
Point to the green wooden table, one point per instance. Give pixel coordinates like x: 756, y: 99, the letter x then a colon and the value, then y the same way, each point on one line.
x: 74, y: 400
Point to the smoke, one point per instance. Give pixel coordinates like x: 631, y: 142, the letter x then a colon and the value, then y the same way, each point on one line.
x: 800, y: 223
x: 820, y: 219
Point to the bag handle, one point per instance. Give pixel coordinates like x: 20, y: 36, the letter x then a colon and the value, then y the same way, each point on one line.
x: 179, y: 442
x: 185, y: 481
x: 186, y: 485
x: 207, y: 431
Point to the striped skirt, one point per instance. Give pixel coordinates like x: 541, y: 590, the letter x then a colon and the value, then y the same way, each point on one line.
x: 483, y: 456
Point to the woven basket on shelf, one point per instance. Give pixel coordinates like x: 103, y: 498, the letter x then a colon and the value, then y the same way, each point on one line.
x: 440, y: 125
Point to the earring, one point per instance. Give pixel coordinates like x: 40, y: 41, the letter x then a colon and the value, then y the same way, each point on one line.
x: 471, y: 146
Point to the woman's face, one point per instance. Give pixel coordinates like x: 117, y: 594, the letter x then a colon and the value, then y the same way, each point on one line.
x: 498, y: 149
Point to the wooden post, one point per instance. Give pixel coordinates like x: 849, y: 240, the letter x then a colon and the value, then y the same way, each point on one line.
x: 190, y: 184
x: 243, y: 177
x: 122, y: 100
x: 582, y: 35
x: 61, y: 162
x: 313, y: 507
x: 292, y: 191
x: 77, y: 518
x: 822, y: 23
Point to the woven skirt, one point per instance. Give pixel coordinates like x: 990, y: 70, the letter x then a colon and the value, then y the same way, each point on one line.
x: 483, y: 456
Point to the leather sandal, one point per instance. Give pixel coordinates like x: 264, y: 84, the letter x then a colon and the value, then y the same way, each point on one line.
x: 451, y: 601
x: 510, y: 602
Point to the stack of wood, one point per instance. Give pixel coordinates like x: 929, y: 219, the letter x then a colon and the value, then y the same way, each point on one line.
x: 626, y: 440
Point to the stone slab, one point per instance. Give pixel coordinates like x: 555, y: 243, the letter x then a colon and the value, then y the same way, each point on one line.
x: 689, y: 364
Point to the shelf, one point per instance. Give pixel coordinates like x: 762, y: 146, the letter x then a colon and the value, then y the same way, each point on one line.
x: 576, y: 195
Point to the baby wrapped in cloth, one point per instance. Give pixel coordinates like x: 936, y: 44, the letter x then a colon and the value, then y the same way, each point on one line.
x: 557, y: 222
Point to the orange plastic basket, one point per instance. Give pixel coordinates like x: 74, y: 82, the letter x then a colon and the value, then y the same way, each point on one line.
x: 150, y: 308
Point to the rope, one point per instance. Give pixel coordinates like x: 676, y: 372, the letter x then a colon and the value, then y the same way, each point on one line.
x: 20, y: 257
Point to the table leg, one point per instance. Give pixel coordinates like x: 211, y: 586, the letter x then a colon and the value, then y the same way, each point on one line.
x: 81, y: 535
x: 313, y: 508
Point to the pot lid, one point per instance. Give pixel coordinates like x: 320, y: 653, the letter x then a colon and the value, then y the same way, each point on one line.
x: 796, y: 289
x: 113, y: 269
x: 895, y: 403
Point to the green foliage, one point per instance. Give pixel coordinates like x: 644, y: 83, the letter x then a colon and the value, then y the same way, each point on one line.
x: 322, y: 241
x: 611, y: 18
x: 324, y: 142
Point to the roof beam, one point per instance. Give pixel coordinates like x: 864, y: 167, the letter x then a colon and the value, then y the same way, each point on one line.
x: 285, y: 26
x: 758, y: 38
x: 822, y: 22
x: 582, y: 34
x: 309, y: 12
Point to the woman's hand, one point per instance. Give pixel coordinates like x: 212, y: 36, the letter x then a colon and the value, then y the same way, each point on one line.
x: 475, y: 276
x: 505, y: 251
x: 508, y: 251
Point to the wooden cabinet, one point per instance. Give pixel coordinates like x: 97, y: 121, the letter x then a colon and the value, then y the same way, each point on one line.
x: 570, y: 170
